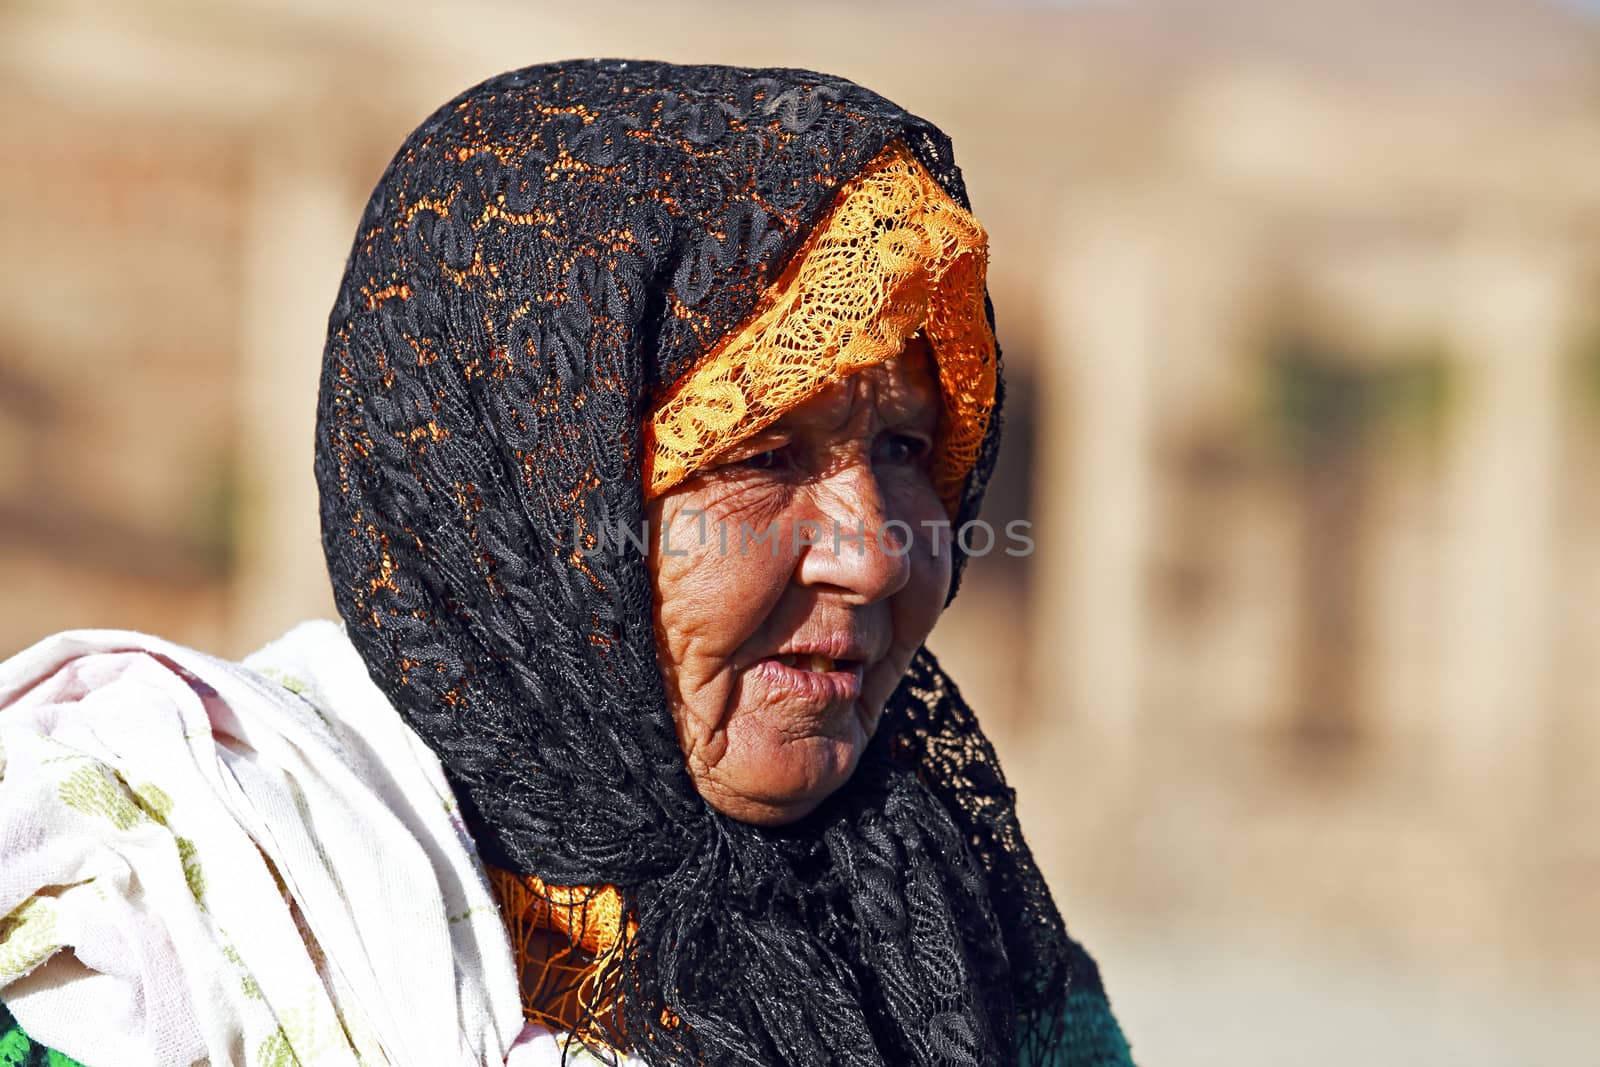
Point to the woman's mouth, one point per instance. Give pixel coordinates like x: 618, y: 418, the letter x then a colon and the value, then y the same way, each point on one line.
x: 813, y: 676
x: 815, y: 662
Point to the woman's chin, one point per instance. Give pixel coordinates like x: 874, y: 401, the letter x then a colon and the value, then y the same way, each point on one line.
x: 783, y: 783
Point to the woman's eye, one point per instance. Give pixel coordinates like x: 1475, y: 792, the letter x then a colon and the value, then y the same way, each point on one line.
x: 906, y: 448
x: 771, y: 459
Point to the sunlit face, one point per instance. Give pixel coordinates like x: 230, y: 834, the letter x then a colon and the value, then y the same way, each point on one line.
x: 778, y: 654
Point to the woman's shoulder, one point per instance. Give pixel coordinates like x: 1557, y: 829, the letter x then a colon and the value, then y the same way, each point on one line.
x: 74, y: 667
x: 305, y: 693
x: 226, y: 855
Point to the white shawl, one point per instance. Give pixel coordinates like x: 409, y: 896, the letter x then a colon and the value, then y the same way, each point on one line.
x: 209, y: 862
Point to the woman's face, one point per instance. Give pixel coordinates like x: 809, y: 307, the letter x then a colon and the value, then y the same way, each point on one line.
x: 794, y: 579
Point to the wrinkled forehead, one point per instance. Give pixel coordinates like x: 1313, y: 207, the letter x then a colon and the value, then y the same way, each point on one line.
x: 895, y: 264
x: 902, y: 391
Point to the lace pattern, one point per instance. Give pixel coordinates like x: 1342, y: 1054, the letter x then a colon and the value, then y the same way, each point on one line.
x: 893, y: 255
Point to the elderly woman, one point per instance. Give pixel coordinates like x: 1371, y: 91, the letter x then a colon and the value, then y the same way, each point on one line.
x: 651, y: 397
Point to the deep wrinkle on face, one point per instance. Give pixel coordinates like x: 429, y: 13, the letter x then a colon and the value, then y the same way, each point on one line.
x: 778, y: 657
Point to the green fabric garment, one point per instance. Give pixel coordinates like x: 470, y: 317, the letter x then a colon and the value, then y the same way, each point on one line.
x: 1090, y: 1035
x: 1093, y: 1038
x: 19, y: 1050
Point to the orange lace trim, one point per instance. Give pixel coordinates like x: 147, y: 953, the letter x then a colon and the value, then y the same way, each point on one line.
x: 895, y: 253
x: 564, y: 940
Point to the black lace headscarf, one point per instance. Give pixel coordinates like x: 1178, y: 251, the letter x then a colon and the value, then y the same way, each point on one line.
x: 544, y: 254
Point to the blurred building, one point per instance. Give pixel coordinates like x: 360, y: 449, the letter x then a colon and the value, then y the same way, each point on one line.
x: 1301, y: 688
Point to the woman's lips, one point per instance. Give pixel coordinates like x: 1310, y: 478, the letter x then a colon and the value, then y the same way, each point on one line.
x: 812, y: 677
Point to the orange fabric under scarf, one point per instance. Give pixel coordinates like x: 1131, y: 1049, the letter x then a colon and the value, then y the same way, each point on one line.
x: 894, y: 254
x: 563, y: 939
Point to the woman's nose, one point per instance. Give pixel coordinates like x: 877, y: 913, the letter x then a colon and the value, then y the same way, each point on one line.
x: 850, y: 541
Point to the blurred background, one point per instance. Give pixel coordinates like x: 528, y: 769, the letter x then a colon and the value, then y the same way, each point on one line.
x: 1301, y: 689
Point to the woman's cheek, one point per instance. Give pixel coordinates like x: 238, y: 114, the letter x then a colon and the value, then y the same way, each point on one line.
x: 712, y: 597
